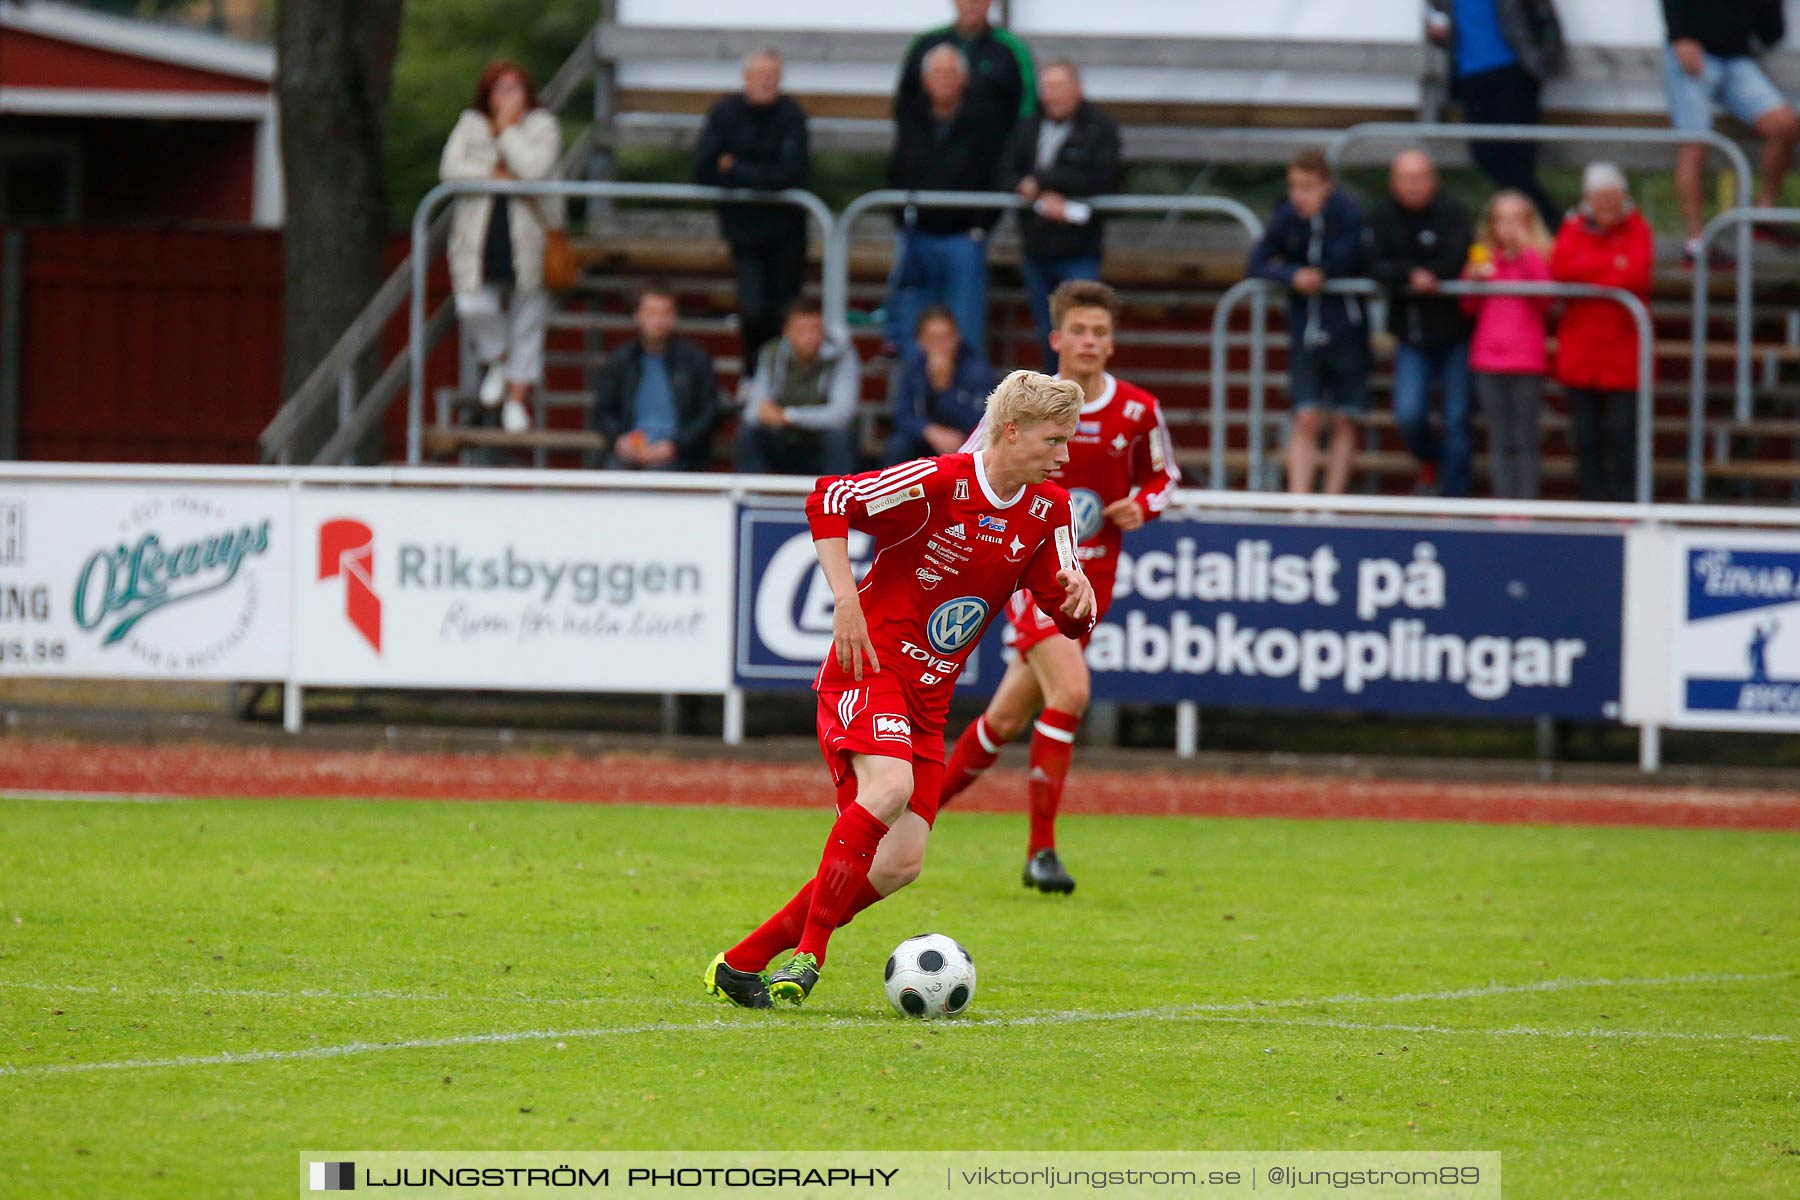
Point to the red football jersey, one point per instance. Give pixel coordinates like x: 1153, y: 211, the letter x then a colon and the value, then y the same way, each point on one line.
x: 948, y: 553
x: 1121, y: 448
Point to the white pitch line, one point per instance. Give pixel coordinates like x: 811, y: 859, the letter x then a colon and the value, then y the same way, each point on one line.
x: 1163, y: 1012
x: 1192, y: 1012
x: 1510, y: 1031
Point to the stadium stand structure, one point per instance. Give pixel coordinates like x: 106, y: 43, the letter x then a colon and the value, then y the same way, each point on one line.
x: 1169, y: 274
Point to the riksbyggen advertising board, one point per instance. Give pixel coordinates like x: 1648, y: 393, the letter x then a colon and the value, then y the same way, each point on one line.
x: 592, y: 591
x: 1384, y: 618
x: 128, y: 580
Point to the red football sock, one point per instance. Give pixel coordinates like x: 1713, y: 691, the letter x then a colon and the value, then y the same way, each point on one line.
x: 975, y: 752
x: 843, y: 876
x: 780, y: 932
x: 1052, y: 745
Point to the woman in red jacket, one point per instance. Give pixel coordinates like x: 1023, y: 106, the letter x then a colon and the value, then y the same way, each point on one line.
x: 1607, y: 242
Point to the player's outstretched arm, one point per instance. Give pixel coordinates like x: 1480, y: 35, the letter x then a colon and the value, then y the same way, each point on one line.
x: 850, y: 639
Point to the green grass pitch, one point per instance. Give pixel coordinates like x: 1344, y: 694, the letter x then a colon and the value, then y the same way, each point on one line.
x: 192, y: 992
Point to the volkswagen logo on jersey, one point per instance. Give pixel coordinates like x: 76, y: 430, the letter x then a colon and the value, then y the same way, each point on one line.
x: 1089, y: 512
x: 955, y: 624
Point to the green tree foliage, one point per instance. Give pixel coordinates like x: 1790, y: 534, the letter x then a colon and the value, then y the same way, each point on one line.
x: 444, y: 44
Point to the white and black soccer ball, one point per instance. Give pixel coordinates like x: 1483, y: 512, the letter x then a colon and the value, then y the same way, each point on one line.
x: 931, y: 975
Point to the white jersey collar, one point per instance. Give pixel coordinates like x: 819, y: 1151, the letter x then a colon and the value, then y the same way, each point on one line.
x: 987, y: 489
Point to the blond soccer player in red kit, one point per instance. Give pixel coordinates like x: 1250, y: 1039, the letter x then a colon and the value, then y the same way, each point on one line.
x: 955, y: 537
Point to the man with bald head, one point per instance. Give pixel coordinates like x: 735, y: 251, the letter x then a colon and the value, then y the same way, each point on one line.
x: 757, y: 139
x: 1418, y: 236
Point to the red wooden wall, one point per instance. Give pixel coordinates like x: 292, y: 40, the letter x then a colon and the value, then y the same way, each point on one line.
x: 149, y: 345
x: 164, y: 345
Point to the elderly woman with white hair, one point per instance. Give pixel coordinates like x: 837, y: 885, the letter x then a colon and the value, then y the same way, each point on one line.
x: 1604, y: 241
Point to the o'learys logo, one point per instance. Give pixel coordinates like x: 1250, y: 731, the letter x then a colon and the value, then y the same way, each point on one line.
x: 120, y: 587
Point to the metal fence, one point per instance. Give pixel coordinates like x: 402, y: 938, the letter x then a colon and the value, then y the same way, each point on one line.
x: 1400, y: 131
x: 837, y: 247
x: 1640, y: 314
x: 681, y: 193
x: 1741, y: 219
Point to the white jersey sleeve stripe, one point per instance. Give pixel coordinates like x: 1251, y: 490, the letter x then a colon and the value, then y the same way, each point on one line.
x: 874, y: 489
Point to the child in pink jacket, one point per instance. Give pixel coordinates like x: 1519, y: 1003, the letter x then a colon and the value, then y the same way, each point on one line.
x: 1507, y: 354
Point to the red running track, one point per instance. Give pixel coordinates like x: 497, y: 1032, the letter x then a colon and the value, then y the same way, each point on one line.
x: 201, y: 770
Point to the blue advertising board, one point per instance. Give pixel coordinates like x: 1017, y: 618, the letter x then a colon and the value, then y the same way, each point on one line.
x: 784, y: 605
x: 1280, y: 615
x: 1328, y: 614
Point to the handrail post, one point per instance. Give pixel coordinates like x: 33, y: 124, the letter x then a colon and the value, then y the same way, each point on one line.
x: 1221, y: 359
x: 1742, y: 218
x: 415, y: 331
x: 1646, y: 402
x: 1259, y: 385
x: 1697, y: 371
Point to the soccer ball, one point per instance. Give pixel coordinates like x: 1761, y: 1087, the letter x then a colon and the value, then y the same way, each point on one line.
x: 930, y: 976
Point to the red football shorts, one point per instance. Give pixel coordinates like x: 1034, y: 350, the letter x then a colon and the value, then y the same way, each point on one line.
x: 1028, y: 626
x: 875, y: 719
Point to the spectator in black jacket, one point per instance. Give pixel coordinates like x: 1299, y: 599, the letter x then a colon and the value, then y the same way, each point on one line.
x: 1068, y: 152
x: 757, y: 139
x: 1418, y: 236
x: 657, y: 398
x: 1001, y: 87
x: 1316, y: 236
x: 941, y: 394
x: 943, y: 143
x: 1501, y: 51
x: 1711, y: 59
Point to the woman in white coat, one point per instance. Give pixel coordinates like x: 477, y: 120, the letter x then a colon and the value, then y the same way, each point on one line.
x: 497, y: 249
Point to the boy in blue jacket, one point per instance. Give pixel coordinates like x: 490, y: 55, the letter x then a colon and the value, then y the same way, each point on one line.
x: 942, y: 391
x: 1316, y: 235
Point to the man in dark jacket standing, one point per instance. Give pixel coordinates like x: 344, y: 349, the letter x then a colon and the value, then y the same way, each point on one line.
x: 1418, y: 236
x: 1068, y: 152
x: 1316, y: 236
x: 1501, y: 51
x: 757, y: 139
x: 657, y: 399
x: 943, y: 142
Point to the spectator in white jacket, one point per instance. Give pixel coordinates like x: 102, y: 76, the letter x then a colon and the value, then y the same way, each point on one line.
x: 497, y: 249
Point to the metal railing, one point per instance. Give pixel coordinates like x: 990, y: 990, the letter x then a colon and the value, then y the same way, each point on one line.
x: 687, y: 193
x: 837, y: 247
x: 1640, y: 314
x: 1401, y: 131
x: 334, y: 379
x: 1742, y: 219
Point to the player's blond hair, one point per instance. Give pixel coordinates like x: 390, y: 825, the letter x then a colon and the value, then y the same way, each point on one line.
x: 1028, y: 398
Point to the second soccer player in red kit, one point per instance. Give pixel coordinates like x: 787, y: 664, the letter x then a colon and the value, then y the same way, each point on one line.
x: 1120, y: 471
x: 955, y: 537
